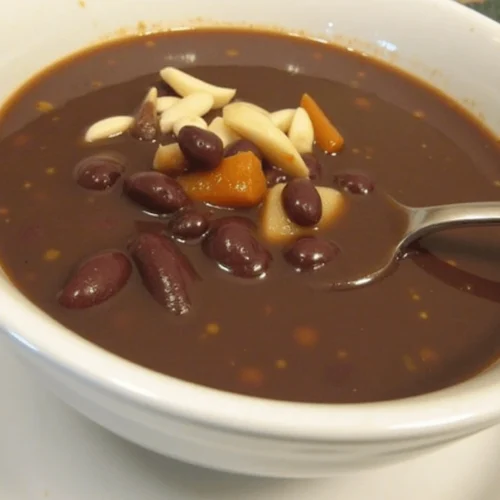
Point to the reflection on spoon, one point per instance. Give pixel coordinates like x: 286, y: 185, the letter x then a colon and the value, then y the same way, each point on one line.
x: 457, y: 278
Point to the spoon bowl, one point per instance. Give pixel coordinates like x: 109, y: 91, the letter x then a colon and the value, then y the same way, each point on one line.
x: 422, y: 221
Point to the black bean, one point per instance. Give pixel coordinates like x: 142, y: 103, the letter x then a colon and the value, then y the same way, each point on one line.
x: 156, y: 192
x: 202, y: 148
x: 354, y: 183
x: 96, y: 280
x: 145, y: 126
x: 310, y: 253
x: 99, y: 172
x: 313, y: 164
x: 302, y: 202
x: 234, y: 247
x: 275, y: 175
x: 189, y: 224
x: 166, y: 272
x: 243, y: 146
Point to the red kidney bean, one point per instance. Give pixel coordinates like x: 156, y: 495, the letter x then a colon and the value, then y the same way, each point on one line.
x: 202, y: 148
x: 156, y: 192
x: 354, y: 183
x: 302, y: 202
x: 235, y: 249
x: 99, y: 172
x: 310, y: 253
x: 243, y: 146
x: 189, y: 225
x: 275, y: 175
x: 96, y: 280
x: 145, y: 126
x: 313, y: 164
x: 166, y: 272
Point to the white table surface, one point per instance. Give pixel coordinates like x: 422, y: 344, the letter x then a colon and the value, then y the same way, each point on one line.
x: 47, y: 451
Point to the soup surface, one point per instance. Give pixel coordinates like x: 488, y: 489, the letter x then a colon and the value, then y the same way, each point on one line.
x: 248, y: 309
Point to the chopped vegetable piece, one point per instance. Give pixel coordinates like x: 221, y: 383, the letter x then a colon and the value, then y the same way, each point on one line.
x: 301, y: 131
x: 276, y: 227
x: 169, y: 159
x: 237, y: 182
x: 197, y: 104
x: 108, y: 127
x: 145, y: 124
x: 185, y: 84
x: 327, y: 136
x: 226, y: 135
x: 193, y: 121
x: 165, y: 102
x: 283, y: 119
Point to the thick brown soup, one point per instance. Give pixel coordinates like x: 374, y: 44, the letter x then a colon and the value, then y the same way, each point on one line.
x: 241, y: 304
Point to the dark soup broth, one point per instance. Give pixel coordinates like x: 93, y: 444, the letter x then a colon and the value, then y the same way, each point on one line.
x: 182, y: 199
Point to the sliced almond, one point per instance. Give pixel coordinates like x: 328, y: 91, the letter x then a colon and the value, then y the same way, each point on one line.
x: 283, y: 118
x: 197, y: 104
x: 193, y: 121
x: 108, y: 127
x: 169, y: 159
x: 276, y: 227
x: 301, y: 131
x: 145, y: 124
x: 185, y: 85
x: 255, y: 107
x: 273, y: 143
x: 165, y: 102
x: 226, y: 135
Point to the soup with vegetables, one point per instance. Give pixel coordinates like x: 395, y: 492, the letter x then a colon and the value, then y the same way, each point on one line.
x: 184, y: 200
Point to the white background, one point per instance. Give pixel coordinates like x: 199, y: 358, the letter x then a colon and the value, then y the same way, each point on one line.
x: 47, y: 451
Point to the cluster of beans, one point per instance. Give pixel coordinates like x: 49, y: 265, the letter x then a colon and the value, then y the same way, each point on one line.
x: 230, y: 241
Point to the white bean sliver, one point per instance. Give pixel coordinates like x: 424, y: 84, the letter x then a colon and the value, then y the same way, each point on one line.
x: 108, y: 127
x: 301, y: 132
x: 253, y: 106
x: 197, y: 104
x: 273, y: 143
x: 165, y: 102
x: 283, y: 119
x: 193, y: 121
x: 185, y: 85
x: 226, y: 135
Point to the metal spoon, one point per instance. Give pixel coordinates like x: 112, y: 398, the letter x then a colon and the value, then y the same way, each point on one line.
x: 420, y: 222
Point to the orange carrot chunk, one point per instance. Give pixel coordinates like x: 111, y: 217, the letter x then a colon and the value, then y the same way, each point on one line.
x: 327, y: 136
x: 237, y: 182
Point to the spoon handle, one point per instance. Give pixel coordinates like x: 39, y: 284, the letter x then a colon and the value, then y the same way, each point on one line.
x: 429, y: 219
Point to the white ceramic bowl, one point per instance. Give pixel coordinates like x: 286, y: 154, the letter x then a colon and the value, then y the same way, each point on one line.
x: 442, y: 42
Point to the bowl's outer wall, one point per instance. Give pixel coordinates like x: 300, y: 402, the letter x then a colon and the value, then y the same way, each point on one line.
x: 210, y: 447
x: 446, y: 45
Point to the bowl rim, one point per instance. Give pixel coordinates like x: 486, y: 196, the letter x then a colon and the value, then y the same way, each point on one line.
x: 473, y: 403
